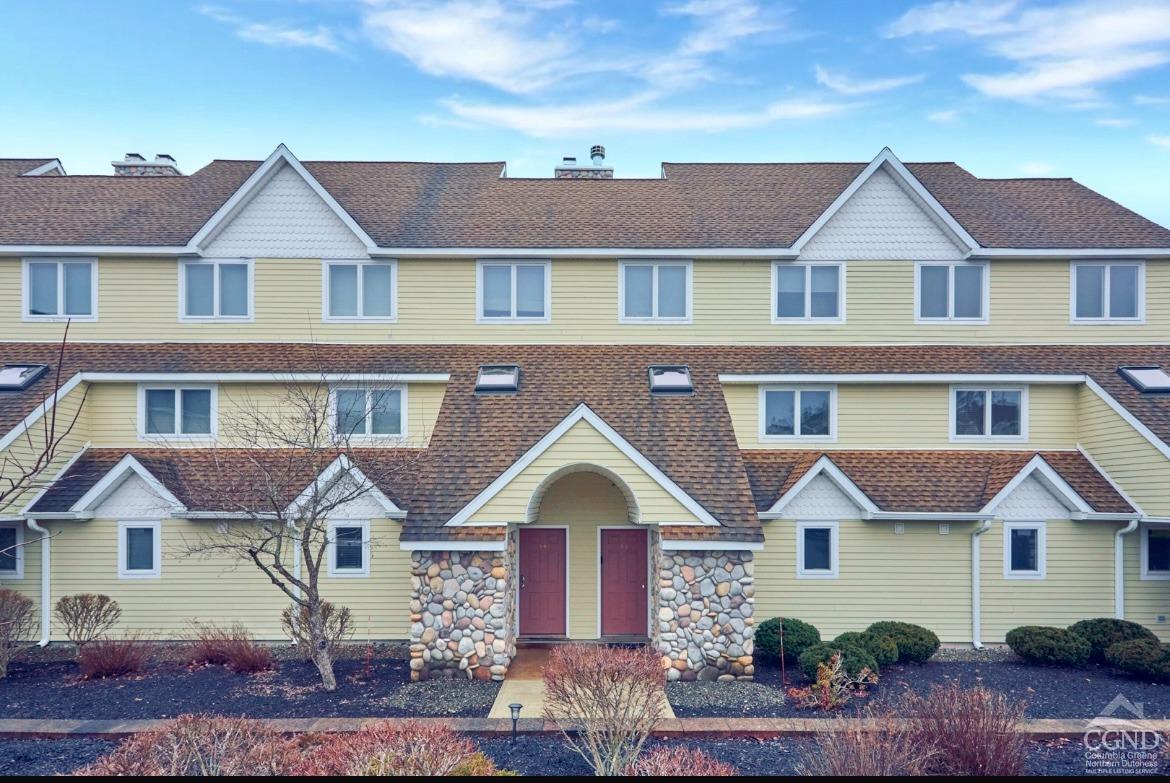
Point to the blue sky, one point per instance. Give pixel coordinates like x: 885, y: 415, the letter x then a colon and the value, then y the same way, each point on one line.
x: 1006, y: 88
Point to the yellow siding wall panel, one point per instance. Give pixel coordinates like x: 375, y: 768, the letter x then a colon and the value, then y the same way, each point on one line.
x: 1124, y: 454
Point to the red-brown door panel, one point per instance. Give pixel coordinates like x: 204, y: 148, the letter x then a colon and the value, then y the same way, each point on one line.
x: 542, y: 581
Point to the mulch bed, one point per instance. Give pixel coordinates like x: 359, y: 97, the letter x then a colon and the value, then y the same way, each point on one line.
x: 48, y: 688
x: 49, y: 756
x: 1049, y: 692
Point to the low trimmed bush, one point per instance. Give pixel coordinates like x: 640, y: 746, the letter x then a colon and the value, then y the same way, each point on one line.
x: 388, y: 749
x: 1048, y: 645
x: 1140, y: 657
x: 232, y: 647
x: 883, y: 648
x: 798, y: 637
x: 86, y: 616
x: 679, y: 762
x: 1103, y: 632
x: 18, y: 624
x: 854, y: 658
x: 973, y: 732
x: 110, y: 657
x: 338, y: 628
x: 887, y: 747
x: 915, y: 643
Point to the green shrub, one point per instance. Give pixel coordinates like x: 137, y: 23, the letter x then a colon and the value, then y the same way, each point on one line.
x: 1103, y: 632
x: 1142, y: 657
x: 798, y: 637
x: 883, y: 648
x: 854, y: 658
x: 1046, y: 645
x: 915, y: 644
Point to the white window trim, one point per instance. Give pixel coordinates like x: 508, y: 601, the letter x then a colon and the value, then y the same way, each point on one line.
x: 1147, y: 574
x: 763, y: 413
x: 60, y: 316
x: 655, y: 319
x: 952, y: 423
x: 18, y: 573
x: 184, y: 318
x: 480, y: 318
x: 808, y: 319
x: 331, y: 549
x: 1041, y: 550
x: 1107, y: 320
x: 950, y: 318
x: 370, y: 437
x: 143, y: 435
x: 125, y: 573
x: 834, y: 551
x: 359, y: 262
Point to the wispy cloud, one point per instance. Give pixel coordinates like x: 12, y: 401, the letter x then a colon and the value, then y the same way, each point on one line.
x: 1036, y: 168
x: 944, y: 116
x: 1150, y: 100
x: 1159, y: 141
x: 1062, y: 52
x: 846, y: 86
x: 1116, y: 122
x: 274, y: 33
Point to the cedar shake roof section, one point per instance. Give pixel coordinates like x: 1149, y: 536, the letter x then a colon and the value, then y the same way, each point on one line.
x: 469, y: 205
x: 924, y: 481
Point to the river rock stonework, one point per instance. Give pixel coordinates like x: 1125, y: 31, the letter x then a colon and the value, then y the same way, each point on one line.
x: 706, y: 602
x: 461, y: 610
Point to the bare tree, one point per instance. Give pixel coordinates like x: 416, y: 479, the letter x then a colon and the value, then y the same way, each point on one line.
x: 279, y: 468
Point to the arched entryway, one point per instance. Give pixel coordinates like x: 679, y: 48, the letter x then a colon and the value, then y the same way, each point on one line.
x: 584, y: 562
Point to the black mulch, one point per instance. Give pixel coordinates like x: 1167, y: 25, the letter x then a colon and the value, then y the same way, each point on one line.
x: 37, y: 689
x: 49, y: 756
x: 1049, y: 692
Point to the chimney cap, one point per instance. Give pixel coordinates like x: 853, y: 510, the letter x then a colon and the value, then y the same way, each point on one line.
x: 597, y: 153
x: 163, y: 157
x: 132, y: 157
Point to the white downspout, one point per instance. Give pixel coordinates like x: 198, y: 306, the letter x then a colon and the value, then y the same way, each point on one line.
x: 976, y: 587
x: 46, y: 582
x: 1119, y: 568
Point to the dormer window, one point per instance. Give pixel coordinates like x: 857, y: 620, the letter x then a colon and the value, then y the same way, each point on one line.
x: 20, y: 376
x: 671, y: 379
x: 497, y: 378
x: 1147, y: 379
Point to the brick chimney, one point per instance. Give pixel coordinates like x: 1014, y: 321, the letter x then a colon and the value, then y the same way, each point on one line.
x: 134, y: 165
x: 568, y: 169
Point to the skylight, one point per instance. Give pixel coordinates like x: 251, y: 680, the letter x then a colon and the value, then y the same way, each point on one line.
x: 671, y: 379
x: 1147, y: 379
x: 498, y: 378
x: 19, y: 376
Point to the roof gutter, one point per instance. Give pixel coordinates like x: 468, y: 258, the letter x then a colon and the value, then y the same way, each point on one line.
x: 1119, y: 568
x: 977, y: 587
x: 46, y: 581
x: 1058, y: 253
x: 909, y: 516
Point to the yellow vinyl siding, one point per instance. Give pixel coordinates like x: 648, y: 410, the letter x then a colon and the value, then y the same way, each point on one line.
x: 1124, y: 454
x: 908, y: 416
x: 218, y: 588
x: 732, y: 304
x: 71, y: 429
x: 1145, y: 599
x: 582, y: 444
x: 919, y: 577
x: 1078, y: 583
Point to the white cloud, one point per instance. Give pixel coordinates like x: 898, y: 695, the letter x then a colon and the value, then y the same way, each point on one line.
x: 722, y: 24
x: 846, y: 86
x: 1115, y: 122
x: 1064, y: 78
x: 1150, y: 100
x: 1036, y: 168
x: 1159, y: 141
x: 274, y: 34
x: 972, y: 18
x: 944, y: 116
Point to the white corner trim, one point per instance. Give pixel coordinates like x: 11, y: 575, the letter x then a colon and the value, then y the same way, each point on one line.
x: 453, y: 546
x: 844, y: 483
x: 1128, y: 417
x: 1050, y: 478
x: 114, y: 476
x: 582, y: 413
x: 334, y: 472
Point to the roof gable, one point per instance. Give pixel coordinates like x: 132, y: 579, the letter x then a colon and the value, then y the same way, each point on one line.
x: 147, y: 492
x: 1036, y: 488
x: 820, y: 478
x: 342, y: 477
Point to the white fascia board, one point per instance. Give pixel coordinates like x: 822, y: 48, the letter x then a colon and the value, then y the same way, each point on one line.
x: 673, y: 545
x: 45, y: 168
x: 64, y: 469
x: 257, y: 180
x: 260, y: 377
x: 837, y: 476
x: 1129, y: 418
x: 1063, y: 254
x: 1050, y: 478
x: 738, y: 253
x: 887, y: 158
x: 113, y: 478
x: 95, y: 250
x: 582, y: 413
x: 453, y: 546
x: 334, y: 472
x: 900, y: 378
x: 39, y: 411
x: 50, y: 516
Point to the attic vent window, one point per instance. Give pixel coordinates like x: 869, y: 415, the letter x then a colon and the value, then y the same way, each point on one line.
x: 498, y: 378
x: 671, y: 380
x: 1147, y: 379
x: 19, y: 376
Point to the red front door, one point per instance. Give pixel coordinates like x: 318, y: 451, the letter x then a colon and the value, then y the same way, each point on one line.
x: 624, y: 571
x: 542, y: 581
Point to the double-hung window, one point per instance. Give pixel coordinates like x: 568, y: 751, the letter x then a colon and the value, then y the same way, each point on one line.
x: 139, y: 550
x: 987, y: 413
x: 817, y: 545
x: 369, y: 412
x: 808, y: 293
x: 60, y: 289
x: 797, y: 412
x: 349, y: 548
x: 215, y: 290
x: 12, y: 550
x: 176, y: 411
x: 1108, y: 292
x: 947, y: 293
x: 514, y: 292
x: 658, y: 292
x: 360, y: 290
x: 1155, y: 552
x: 1024, y: 550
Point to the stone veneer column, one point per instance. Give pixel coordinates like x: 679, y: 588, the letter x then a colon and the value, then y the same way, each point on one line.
x: 705, y: 605
x: 461, y: 610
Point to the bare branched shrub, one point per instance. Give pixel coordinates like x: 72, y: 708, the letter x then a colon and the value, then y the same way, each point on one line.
x: 883, y: 745
x: 394, y: 750
x: 232, y: 647
x: 18, y: 625
x: 113, y: 657
x: 87, y: 616
x: 974, y: 731
x: 200, y: 746
x: 337, y: 622
x: 679, y: 762
x: 606, y: 700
